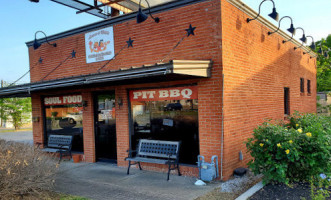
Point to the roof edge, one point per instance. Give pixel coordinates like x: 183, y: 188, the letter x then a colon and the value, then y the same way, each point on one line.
x: 115, y: 20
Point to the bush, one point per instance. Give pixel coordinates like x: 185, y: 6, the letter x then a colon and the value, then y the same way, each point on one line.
x: 292, y: 152
x: 24, y: 171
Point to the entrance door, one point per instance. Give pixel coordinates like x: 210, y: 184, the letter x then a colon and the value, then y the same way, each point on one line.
x: 105, y: 126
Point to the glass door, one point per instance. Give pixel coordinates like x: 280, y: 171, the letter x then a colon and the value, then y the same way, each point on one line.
x: 105, y: 127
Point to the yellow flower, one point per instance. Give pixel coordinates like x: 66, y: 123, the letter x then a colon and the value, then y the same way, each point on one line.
x: 300, y: 130
x: 308, y: 134
x: 287, y: 151
x: 261, y: 144
x: 267, y: 140
x: 297, y: 125
x: 279, y: 145
x: 290, y: 141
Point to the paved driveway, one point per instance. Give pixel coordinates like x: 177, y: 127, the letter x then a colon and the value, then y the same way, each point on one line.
x: 20, y: 136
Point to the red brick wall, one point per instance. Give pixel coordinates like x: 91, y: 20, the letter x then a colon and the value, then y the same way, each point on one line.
x: 152, y: 42
x: 256, y: 68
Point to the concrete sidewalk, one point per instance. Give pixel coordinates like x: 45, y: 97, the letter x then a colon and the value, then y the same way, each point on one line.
x: 107, y: 181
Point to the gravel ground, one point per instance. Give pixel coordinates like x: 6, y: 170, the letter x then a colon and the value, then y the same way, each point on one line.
x: 232, y: 188
x: 297, y: 191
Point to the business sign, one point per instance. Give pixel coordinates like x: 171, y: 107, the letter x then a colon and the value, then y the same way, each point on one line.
x: 99, y: 45
x: 175, y: 93
x: 63, y: 100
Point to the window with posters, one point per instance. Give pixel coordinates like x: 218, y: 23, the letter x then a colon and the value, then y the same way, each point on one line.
x: 167, y: 114
x: 64, y: 116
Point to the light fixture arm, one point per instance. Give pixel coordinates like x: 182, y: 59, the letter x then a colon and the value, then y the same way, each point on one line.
x: 269, y: 33
x: 284, y: 41
x: 156, y: 19
x: 248, y: 19
x: 313, y: 43
x: 299, y: 46
x: 35, y: 37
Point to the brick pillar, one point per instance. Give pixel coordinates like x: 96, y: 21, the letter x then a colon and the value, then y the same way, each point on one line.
x: 37, y: 125
x: 122, y: 126
x: 88, y: 128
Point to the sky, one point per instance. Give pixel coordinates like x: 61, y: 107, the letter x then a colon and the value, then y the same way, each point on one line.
x: 22, y: 18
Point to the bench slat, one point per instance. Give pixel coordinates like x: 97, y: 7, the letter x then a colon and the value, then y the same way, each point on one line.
x: 158, y: 148
x: 148, y: 160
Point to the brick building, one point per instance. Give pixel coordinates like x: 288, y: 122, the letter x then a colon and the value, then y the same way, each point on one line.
x: 209, y: 92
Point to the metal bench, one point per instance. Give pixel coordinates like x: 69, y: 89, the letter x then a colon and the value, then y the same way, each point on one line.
x: 156, y: 151
x: 59, y: 144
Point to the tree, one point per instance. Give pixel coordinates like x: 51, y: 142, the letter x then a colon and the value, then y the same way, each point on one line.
x: 18, y: 109
x: 323, y: 76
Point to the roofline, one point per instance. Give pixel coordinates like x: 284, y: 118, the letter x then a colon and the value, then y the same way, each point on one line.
x: 115, y: 20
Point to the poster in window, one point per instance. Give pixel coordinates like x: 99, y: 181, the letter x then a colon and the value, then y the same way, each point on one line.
x: 99, y: 45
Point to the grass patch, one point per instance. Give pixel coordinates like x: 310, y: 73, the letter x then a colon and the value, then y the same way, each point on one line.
x: 13, y: 130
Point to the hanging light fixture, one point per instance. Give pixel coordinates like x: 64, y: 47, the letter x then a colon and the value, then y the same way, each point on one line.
x: 36, y: 44
x: 291, y: 29
x: 303, y: 39
x: 312, y: 46
x: 274, y: 15
x: 326, y: 53
x: 284, y: 41
x: 141, y: 16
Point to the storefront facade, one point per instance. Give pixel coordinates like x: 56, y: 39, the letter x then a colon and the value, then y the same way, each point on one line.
x: 217, y: 78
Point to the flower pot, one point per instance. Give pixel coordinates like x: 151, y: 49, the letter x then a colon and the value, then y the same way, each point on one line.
x: 76, y: 158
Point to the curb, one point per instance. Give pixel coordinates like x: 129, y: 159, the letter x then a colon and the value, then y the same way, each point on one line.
x: 251, y: 191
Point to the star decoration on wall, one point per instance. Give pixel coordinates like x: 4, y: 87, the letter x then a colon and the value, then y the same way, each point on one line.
x: 130, y: 42
x: 190, y: 30
x: 73, y: 54
x: 40, y: 60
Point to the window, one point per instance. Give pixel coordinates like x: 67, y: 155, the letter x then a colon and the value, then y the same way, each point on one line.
x: 287, y: 101
x: 64, y: 116
x: 302, y: 85
x: 308, y: 87
x: 169, y: 114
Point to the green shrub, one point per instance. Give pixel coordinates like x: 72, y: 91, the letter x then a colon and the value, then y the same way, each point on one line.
x: 291, y: 152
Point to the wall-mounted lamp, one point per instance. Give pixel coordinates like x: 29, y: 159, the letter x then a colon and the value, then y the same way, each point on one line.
x: 284, y: 41
x: 326, y: 53
x: 291, y: 29
x: 120, y: 102
x: 35, y: 119
x: 274, y: 15
x: 303, y: 38
x: 312, y: 46
x: 36, y: 44
x: 141, y: 16
x: 84, y: 104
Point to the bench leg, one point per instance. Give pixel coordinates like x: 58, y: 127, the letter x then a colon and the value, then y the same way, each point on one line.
x: 129, y: 167
x: 169, y: 170
x: 179, y: 174
x: 139, y: 166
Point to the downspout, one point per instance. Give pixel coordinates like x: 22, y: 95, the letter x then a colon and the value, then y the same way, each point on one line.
x: 222, y: 134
